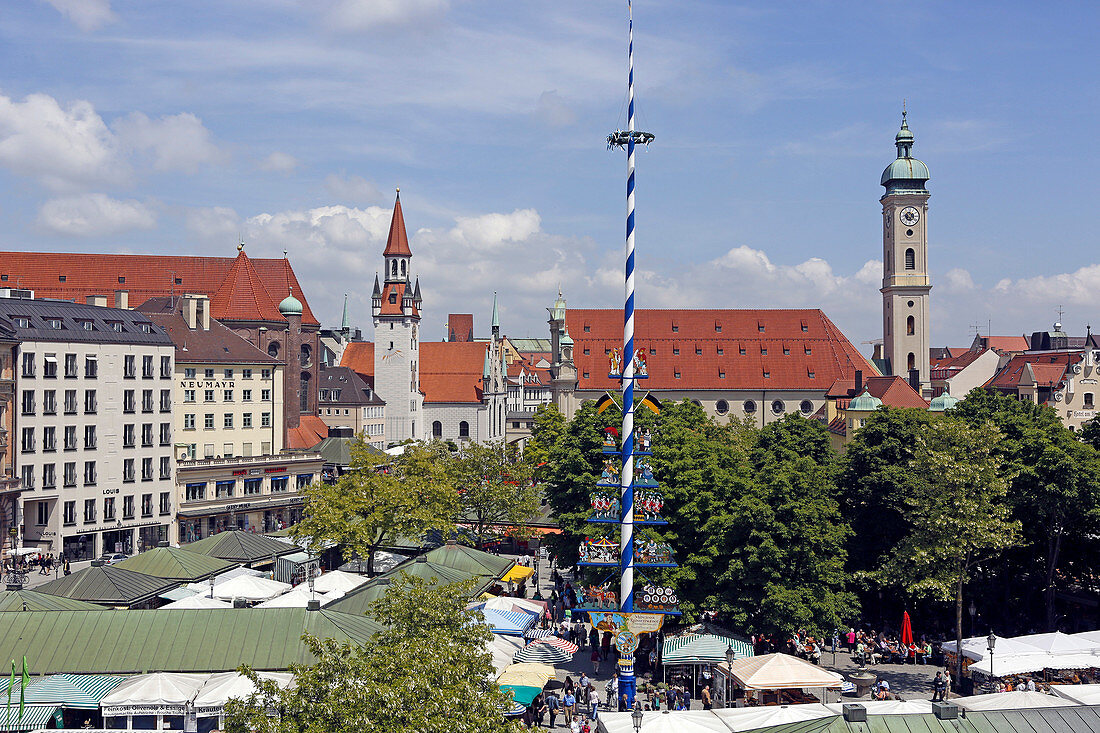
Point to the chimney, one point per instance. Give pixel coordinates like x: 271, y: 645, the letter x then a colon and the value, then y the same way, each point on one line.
x: 202, y: 305
x: 313, y: 605
x: 854, y: 713
x: 914, y: 380
x: 859, y: 383
x: 190, y: 310
x: 945, y: 710
x: 100, y: 300
x: 122, y: 299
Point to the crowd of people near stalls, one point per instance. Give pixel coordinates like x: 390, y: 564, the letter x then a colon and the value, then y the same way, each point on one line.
x: 44, y: 564
x: 871, y: 648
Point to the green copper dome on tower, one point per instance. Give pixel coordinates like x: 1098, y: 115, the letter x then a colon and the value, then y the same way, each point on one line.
x: 944, y: 402
x: 865, y: 403
x: 906, y: 174
x: 290, y: 306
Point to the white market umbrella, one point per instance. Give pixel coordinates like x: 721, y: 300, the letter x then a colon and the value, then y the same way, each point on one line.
x: 1011, y: 701
x: 502, y: 649
x: 220, y: 688
x: 249, y: 588
x: 204, y: 586
x: 1056, y: 643
x: 160, y: 693
x: 780, y: 672
x: 1083, y: 694
x: 297, y: 598
x: 22, y: 551
x: 977, y: 648
x: 337, y: 580
x: 888, y: 707
x: 738, y: 719
x: 196, y: 601
x: 665, y: 721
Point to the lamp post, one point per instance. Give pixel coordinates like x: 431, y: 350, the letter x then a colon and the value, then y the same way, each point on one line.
x: 636, y: 716
x: 991, y: 642
x: 973, y: 613
x: 729, y: 673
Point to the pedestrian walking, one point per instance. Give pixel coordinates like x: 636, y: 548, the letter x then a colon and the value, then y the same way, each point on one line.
x: 553, y: 706
x: 569, y: 702
x: 706, y: 697
x: 595, y: 657
x: 938, y: 687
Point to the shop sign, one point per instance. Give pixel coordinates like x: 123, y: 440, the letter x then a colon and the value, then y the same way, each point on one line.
x: 1082, y: 414
x: 237, y: 507
x: 636, y: 623
x: 206, y: 384
x: 240, y: 473
x: 48, y: 533
x: 93, y: 530
x: 280, y: 469
x: 107, y: 492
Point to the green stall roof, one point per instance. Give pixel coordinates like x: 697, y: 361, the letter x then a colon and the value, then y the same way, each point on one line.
x: 467, y: 559
x: 29, y: 600
x: 357, y: 600
x: 107, y: 585
x: 173, y: 563
x: 185, y: 640
x: 1083, y: 719
x: 239, y: 546
x: 81, y: 691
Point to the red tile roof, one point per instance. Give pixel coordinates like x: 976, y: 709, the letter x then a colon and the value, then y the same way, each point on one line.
x: 1006, y: 344
x: 394, y: 309
x: 359, y: 355
x: 1049, y: 369
x: 398, y: 242
x: 460, y: 327
x: 310, y: 431
x: 785, y: 336
x: 144, y: 276
x: 452, y: 372
x: 893, y: 391
x: 242, y: 296
x: 956, y: 363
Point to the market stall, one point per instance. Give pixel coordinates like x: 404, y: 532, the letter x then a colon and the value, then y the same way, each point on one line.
x: 74, y: 697
x: 688, y: 658
x: 1082, y: 694
x: 1011, y: 701
x: 151, y: 701
x: 209, y: 702
x: 773, y: 679
x: 249, y: 589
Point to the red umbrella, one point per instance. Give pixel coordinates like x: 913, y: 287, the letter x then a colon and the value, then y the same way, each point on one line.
x: 906, y: 629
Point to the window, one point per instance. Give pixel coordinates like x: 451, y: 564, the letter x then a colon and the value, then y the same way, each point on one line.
x: 89, y: 511
x: 28, y: 402
x: 194, y: 492
x: 910, y: 259
x: 246, y: 420
x: 146, y: 469
x: 70, y: 474
x: 49, y: 438
x: 246, y: 374
x: 165, y: 503
x: 166, y: 467
x: 252, y: 486
x: 127, y: 507
x: 809, y: 351
x: 189, y: 421
x: 49, y: 476
x: 28, y: 477
x: 227, y: 450
x: 129, y: 403
x: 805, y: 327
x: 116, y: 326
x: 806, y: 407
x: 749, y: 407
x: 265, y: 419
x: 676, y: 375
x: 70, y: 366
x: 128, y: 440
x: 698, y: 350
x: 304, y: 480
x: 246, y: 395
x: 147, y: 435
x: 166, y: 400
x: 189, y: 372
x: 911, y: 360
x: 721, y: 374
x: 89, y: 402
x: 128, y: 474
x: 68, y: 515
x: 305, y: 356
x: 146, y: 505
x: 109, y: 509
x: 786, y: 351
x: 89, y: 437
x: 70, y: 402
x: 437, y: 429
x: 227, y: 395
x: 165, y: 367
x: 265, y: 374
x: 208, y: 421
x: 208, y: 373
x: 129, y: 367
x: 743, y: 351
x: 227, y: 420
x: 811, y: 374
x: 89, y: 473
x: 675, y: 328
x: 778, y: 407
x: 27, y: 445
x: 28, y: 365
x: 279, y: 484
x: 208, y: 395
x: 223, y: 489
x: 675, y: 350
x: 165, y: 433
x: 54, y: 323
x: 721, y: 351
x: 147, y: 366
x: 188, y: 395
x: 910, y: 326
x: 146, y: 400
x: 303, y: 392
x: 767, y: 375
x: 464, y: 429
x: 587, y: 350
x: 721, y: 407
x: 763, y: 350
x: 49, y: 402
x: 91, y: 367
x: 1088, y: 400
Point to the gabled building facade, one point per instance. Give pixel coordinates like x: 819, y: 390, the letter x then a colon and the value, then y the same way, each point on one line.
x: 9, y: 478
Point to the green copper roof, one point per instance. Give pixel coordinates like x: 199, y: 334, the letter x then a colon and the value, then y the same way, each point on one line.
x: 865, y: 403
x: 944, y: 402
x: 239, y: 546
x: 173, y: 563
x: 193, y: 640
x: 107, y: 585
x: 467, y: 559
x: 29, y: 600
x: 906, y: 174
x: 290, y: 306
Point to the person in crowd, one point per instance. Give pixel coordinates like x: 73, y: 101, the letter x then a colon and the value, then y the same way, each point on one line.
x: 539, y: 707
x: 593, y: 701
x: 938, y: 687
x: 569, y: 704
x: 553, y: 706
x: 706, y: 697
x: 624, y: 704
x: 687, y: 697
x: 851, y: 637
x: 595, y: 657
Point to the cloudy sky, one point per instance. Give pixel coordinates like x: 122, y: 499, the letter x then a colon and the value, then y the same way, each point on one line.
x: 169, y: 127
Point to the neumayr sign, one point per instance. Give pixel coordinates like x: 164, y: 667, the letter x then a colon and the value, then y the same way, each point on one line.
x: 207, y: 384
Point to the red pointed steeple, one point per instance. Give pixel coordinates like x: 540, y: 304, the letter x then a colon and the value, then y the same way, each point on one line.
x: 398, y: 243
x: 242, y: 295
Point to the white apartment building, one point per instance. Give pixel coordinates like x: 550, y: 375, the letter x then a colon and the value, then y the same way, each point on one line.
x: 94, y: 428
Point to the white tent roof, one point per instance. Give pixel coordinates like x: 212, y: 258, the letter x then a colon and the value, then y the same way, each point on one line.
x: 888, y: 707
x: 1011, y: 701
x: 297, y: 598
x: 976, y: 647
x: 503, y: 648
x: 249, y: 588
x: 204, y: 586
x: 337, y: 580
x: 739, y: 719
x: 780, y: 672
x: 1055, y: 643
x: 664, y: 721
x: 1088, y: 636
x: 506, y: 603
x: 196, y: 601
x: 1084, y: 694
x: 1024, y: 663
x: 215, y: 693
x: 150, y: 694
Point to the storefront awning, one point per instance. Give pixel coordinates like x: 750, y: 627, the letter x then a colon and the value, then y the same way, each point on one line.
x: 239, y: 507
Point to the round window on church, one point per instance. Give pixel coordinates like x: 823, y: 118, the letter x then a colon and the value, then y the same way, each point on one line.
x: 749, y: 407
x: 721, y: 407
x: 778, y: 407
x: 806, y: 407
x: 910, y: 304
x: 908, y: 232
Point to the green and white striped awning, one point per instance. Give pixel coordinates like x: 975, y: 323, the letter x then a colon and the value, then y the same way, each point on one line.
x: 702, y: 649
x: 34, y: 716
x: 81, y: 691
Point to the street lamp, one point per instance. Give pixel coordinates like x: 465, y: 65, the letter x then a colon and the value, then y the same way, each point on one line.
x: 973, y: 613
x: 729, y: 673
x: 991, y: 642
x: 636, y: 716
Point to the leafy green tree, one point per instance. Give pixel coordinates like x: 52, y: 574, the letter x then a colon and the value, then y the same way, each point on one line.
x: 367, y: 508
x: 425, y: 672
x: 957, y: 515
x: 495, y: 488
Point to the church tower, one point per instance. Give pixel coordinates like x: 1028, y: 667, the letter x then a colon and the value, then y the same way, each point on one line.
x: 905, y: 282
x: 395, y: 304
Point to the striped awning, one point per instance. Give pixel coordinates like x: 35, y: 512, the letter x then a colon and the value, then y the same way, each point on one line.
x: 508, y: 622
x: 566, y: 646
x: 538, y: 633
x: 34, y: 717
x: 702, y: 649
x: 82, y: 691
x: 535, y: 652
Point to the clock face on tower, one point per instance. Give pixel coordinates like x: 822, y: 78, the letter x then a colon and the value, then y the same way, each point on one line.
x: 909, y: 216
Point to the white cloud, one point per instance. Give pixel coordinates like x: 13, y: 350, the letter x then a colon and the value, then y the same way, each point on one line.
x: 87, y: 15
x: 1080, y: 287
x: 94, y: 214
x: 957, y: 280
x: 361, y: 15
x: 279, y: 163
x: 491, y: 231
x: 353, y: 189
x: 218, y: 224
x: 63, y: 148
x: 175, y: 142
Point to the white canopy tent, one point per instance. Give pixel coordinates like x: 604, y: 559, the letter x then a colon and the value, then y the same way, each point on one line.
x: 740, y: 719
x: 1037, y: 662
x: 1056, y: 643
x: 212, y: 697
x: 337, y: 580
x: 159, y: 695
x: 1011, y: 701
x: 249, y: 588
x: 888, y: 707
x: 204, y: 586
x: 1084, y: 694
x: 196, y: 601
x: 663, y: 721
x: 297, y: 598
x: 977, y: 647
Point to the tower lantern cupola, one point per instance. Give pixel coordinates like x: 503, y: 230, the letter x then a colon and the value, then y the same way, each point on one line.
x: 906, y: 174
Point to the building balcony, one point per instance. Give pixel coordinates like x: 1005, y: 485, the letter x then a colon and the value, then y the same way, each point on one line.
x: 9, y: 484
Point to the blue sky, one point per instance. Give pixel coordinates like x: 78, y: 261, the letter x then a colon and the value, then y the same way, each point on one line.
x: 170, y: 127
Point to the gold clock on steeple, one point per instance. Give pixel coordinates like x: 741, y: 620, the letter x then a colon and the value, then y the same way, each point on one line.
x: 909, y: 216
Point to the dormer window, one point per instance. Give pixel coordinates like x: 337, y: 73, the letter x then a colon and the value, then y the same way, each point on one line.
x: 393, y: 296
x: 54, y: 323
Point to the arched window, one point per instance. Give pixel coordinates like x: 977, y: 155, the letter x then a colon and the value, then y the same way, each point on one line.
x: 749, y: 407
x: 721, y: 407
x: 778, y: 407
x: 393, y: 268
x: 910, y: 259
x: 402, y: 268
x: 464, y: 429
x: 303, y: 393
x: 437, y: 429
x: 910, y: 326
x: 806, y: 407
x: 305, y: 356
x: 273, y: 349
x: 912, y: 360
x: 697, y: 403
